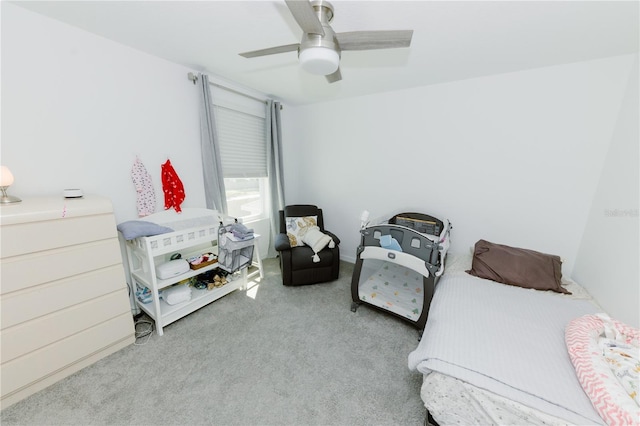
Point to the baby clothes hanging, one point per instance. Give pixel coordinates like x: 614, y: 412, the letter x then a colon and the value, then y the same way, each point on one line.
x: 172, y: 187
x: 145, y: 195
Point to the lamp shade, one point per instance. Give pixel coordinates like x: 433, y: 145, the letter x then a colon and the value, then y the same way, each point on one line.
x: 319, y: 60
x: 6, y: 177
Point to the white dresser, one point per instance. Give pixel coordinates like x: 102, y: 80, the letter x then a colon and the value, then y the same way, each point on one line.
x: 64, y: 301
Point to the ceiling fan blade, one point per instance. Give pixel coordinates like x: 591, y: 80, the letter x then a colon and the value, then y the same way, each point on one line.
x: 335, y: 76
x: 305, y: 16
x: 367, y: 40
x: 271, y: 50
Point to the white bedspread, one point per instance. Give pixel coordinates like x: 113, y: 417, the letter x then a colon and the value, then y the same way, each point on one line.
x: 507, y: 340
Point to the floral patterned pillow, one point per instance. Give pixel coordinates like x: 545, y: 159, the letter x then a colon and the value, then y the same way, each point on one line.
x: 297, y: 227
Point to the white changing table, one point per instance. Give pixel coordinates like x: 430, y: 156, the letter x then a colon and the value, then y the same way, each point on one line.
x: 144, y: 253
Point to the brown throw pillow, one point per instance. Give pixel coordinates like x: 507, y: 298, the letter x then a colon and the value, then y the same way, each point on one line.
x: 517, y: 266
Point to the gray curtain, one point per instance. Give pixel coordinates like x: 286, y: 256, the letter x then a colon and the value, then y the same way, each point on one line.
x: 214, y: 191
x: 274, y: 168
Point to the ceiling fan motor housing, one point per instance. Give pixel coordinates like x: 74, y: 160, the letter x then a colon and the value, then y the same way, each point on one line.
x: 320, y: 49
x: 320, y: 54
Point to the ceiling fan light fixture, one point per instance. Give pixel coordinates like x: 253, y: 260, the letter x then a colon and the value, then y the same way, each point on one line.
x: 319, y: 60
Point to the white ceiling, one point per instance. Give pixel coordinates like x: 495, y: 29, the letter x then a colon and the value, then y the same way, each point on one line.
x: 452, y: 40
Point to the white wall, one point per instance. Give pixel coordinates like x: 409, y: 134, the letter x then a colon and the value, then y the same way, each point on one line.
x: 607, y: 262
x: 512, y: 158
x: 77, y: 109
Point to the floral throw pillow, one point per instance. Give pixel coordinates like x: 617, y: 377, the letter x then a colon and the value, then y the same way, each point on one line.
x: 297, y: 227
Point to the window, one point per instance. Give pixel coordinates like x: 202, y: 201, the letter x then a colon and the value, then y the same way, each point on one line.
x: 241, y: 127
x: 245, y: 197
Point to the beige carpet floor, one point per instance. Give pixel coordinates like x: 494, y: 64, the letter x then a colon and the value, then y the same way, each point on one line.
x: 272, y: 355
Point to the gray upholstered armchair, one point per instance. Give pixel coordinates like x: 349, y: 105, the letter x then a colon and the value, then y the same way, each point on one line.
x: 299, y: 263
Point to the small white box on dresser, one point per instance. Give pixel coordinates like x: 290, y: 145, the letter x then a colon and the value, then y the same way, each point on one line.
x: 64, y: 300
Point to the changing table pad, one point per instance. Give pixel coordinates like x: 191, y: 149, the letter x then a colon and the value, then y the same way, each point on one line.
x: 506, y: 340
x: 190, y: 217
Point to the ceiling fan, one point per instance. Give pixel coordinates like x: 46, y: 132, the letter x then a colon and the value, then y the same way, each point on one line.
x: 320, y: 48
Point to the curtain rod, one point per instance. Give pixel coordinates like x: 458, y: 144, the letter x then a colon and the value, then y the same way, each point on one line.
x: 191, y: 76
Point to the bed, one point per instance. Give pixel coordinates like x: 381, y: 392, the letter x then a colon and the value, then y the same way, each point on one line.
x: 493, y: 353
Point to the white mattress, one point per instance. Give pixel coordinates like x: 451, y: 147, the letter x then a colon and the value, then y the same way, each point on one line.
x: 393, y: 287
x: 507, y: 341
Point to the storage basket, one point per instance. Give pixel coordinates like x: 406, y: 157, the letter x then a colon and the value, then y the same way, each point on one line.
x: 233, y: 255
x: 211, y: 259
x: 203, y: 264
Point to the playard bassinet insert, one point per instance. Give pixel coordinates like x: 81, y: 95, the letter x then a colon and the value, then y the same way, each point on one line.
x: 398, y: 264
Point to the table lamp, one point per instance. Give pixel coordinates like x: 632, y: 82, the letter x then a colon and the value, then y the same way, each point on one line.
x: 6, y: 180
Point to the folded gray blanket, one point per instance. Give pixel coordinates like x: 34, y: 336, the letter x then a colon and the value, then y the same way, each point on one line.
x: 240, y: 231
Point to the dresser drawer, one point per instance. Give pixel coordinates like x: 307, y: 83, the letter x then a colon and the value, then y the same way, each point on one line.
x: 43, y: 331
x: 23, y: 238
x: 25, y: 305
x: 39, y: 364
x: 22, y: 272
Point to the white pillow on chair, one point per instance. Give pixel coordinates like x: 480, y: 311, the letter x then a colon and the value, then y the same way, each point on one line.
x: 317, y: 240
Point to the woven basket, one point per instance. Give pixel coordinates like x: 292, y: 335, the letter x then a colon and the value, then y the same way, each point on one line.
x: 203, y: 264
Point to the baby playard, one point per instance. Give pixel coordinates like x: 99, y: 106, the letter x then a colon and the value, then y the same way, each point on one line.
x: 398, y: 265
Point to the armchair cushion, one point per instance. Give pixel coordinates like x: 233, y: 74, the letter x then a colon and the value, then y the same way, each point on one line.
x: 302, y: 259
x: 297, y: 227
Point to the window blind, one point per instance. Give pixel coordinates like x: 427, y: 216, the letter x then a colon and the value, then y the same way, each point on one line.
x: 242, y: 139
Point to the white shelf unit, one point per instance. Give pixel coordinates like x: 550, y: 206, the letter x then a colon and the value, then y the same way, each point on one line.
x: 63, y: 298
x: 144, y: 253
